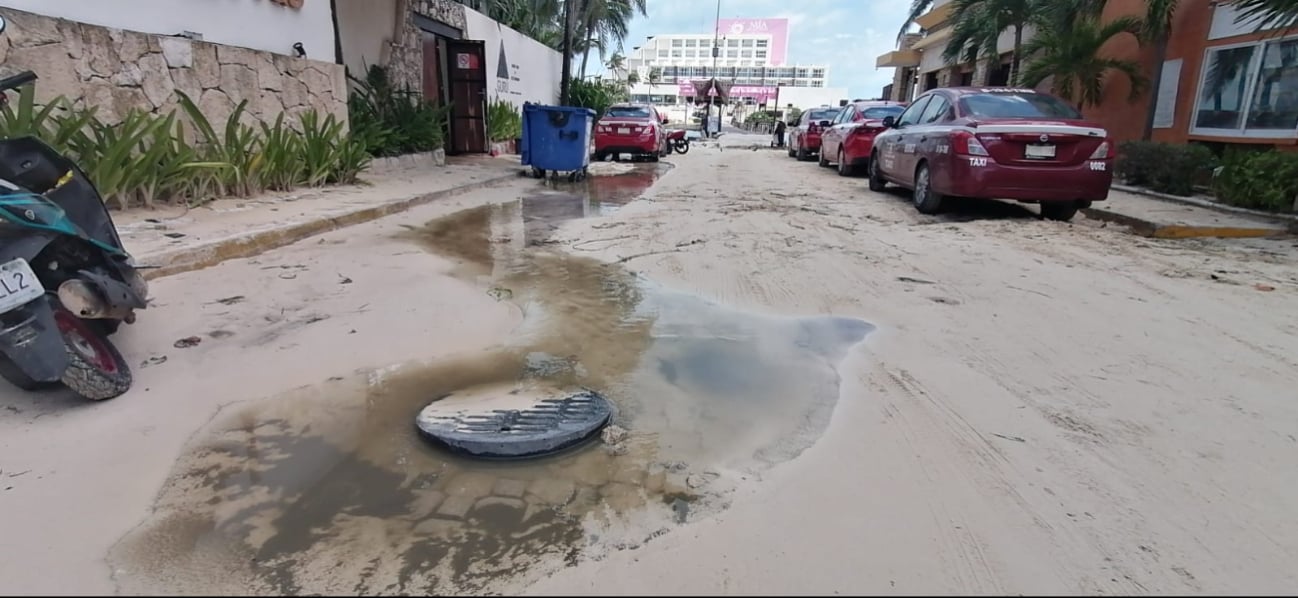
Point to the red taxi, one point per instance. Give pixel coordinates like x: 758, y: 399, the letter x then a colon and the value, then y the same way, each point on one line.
x: 849, y: 140
x: 635, y: 129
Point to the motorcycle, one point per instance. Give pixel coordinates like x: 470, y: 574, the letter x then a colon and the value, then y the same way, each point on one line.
x: 678, y: 141
x: 66, y: 281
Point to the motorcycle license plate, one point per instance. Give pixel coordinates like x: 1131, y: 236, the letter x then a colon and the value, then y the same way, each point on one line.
x: 18, y: 285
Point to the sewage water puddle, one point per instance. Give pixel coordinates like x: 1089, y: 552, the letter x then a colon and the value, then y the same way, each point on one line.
x: 329, y: 489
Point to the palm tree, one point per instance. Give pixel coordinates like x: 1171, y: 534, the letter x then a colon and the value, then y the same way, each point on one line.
x: 606, y: 23
x: 1157, y: 28
x: 917, y: 10
x: 979, y: 23
x: 1068, y: 52
x: 616, y: 62
x: 1271, y: 14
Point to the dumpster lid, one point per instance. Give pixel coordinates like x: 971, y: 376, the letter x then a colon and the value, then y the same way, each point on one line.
x: 530, y: 107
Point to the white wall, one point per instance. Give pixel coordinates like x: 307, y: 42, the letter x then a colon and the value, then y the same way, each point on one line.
x: 365, y: 28
x: 256, y: 24
x: 1223, y: 23
x: 808, y: 97
x: 533, y: 68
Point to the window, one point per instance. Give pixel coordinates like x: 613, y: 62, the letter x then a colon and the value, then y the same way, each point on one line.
x: 676, y: 53
x: 663, y: 54
x: 817, y: 83
x: 691, y: 43
x: 818, y: 73
x: 802, y: 73
x: 676, y: 43
x: 748, y: 43
x: 937, y: 110
x: 732, y: 43
x: 627, y: 112
x: 691, y: 54
x: 761, y: 43
x: 746, y: 53
x: 881, y: 112
x: 1016, y: 104
x: 911, y: 115
x: 732, y: 53
x: 1249, y: 90
x: 760, y: 54
x: 819, y: 114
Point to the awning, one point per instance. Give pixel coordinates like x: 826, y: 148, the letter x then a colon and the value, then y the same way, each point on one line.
x: 931, y: 19
x: 898, y: 58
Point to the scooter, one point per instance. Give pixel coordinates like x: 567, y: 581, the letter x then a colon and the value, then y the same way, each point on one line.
x: 678, y: 141
x: 66, y: 282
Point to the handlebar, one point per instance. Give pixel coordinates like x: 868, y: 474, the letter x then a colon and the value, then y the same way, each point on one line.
x: 16, y: 81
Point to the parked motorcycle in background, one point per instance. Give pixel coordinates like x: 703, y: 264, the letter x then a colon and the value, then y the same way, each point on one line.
x: 678, y: 141
x: 66, y: 282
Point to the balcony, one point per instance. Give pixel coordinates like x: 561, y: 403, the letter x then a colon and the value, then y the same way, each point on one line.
x: 934, y: 18
x: 898, y: 58
x: 933, y: 39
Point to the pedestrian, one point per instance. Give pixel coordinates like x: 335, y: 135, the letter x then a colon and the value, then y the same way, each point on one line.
x: 779, y: 133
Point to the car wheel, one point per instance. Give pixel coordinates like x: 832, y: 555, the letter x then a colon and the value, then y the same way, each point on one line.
x: 1062, y: 211
x: 653, y: 157
x: 821, y: 159
x: 844, y: 167
x: 927, y: 201
x: 877, y: 182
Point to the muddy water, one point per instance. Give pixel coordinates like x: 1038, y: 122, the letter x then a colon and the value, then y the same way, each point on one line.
x: 329, y: 489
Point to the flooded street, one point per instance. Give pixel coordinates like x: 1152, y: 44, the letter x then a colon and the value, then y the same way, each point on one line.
x: 812, y: 389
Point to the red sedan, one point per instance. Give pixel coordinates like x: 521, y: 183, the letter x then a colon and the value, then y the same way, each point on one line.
x: 635, y: 129
x: 849, y: 140
x: 804, y: 138
x: 994, y: 143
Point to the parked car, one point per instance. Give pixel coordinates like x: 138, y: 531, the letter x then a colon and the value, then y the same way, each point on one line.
x: 995, y: 143
x: 850, y: 137
x: 635, y: 129
x: 804, y: 137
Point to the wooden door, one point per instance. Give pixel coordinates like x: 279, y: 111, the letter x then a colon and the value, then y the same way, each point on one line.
x: 468, y: 86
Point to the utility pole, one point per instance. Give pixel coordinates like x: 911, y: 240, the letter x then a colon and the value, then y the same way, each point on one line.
x: 716, y: 52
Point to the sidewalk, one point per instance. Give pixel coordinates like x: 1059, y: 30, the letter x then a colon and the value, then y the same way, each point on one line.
x: 1164, y: 219
x: 175, y: 239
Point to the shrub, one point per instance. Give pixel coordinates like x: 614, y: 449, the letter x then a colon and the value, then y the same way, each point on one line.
x: 394, y: 121
x: 1165, y: 167
x: 1265, y: 180
x: 504, y: 121
x: 147, y: 158
x: 597, y: 95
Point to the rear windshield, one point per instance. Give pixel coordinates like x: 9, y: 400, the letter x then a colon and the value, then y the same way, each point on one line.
x: 882, y: 112
x: 627, y: 112
x: 1016, y: 105
x: 819, y: 115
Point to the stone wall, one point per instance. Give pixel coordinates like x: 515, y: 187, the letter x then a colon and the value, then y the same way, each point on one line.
x: 405, y: 61
x: 118, y: 70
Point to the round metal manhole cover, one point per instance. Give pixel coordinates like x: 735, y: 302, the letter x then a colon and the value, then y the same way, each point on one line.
x: 506, y: 421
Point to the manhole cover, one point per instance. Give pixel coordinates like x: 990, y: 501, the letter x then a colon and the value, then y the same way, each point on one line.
x: 511, y: 422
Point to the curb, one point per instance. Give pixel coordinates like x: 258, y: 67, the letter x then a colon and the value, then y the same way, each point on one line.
x: 1290, y: 220
x: 206, y: 255
x: 1147, y: 228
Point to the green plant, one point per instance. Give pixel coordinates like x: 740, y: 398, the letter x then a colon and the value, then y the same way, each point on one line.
x: 1266, y: 180
x: 1165, y: 167
x: 504, y: 121
x: 282, y: 158
x: 394, y: 121
x: 597, y: 95
x: 238, y: 147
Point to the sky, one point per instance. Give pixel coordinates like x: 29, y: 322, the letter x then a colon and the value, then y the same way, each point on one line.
x: 847, y: 35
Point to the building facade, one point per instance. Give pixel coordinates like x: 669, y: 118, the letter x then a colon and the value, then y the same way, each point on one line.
x: 279, y: 56
x: 1222, y: 82
x: 753, y: 53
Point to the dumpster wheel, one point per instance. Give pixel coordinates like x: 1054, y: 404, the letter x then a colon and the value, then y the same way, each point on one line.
x: 538, y: 173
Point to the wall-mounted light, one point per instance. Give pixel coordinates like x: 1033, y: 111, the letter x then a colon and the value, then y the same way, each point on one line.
x: 299, y: 50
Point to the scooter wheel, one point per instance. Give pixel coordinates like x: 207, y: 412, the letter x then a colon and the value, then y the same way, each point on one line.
x: 683, y: 147
x: 96, y: 370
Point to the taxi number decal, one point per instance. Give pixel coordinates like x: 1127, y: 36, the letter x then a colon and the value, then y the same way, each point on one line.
x: 1099, y: 166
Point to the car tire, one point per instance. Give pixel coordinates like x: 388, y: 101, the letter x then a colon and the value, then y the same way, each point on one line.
x: 845, y: 168
x: 877, y: 182
x: 1062, y: 211
x: 821, y: 160
x: 926, y: 200
x: 653, y: 157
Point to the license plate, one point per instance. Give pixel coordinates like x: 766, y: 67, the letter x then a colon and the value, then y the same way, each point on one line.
x: 624, y: 131
x: 18, y: 285
x: 1039, y: 151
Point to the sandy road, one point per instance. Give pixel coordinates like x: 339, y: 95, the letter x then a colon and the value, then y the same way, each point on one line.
x: 1043, y: 408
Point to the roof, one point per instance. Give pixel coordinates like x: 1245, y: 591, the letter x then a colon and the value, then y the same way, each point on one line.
x: 988, y: 89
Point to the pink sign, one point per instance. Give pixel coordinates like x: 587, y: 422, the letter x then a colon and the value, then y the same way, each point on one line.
x: 757, y: 92
x: 778, y: 29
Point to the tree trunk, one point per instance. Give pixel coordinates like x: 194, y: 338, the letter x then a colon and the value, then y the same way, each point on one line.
x: 565, y: 78
x: 586, y: 30
x: 1160, y: 56
x: 1016, y: 56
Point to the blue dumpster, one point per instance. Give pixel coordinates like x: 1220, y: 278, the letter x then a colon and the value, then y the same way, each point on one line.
x: 557, y: 139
